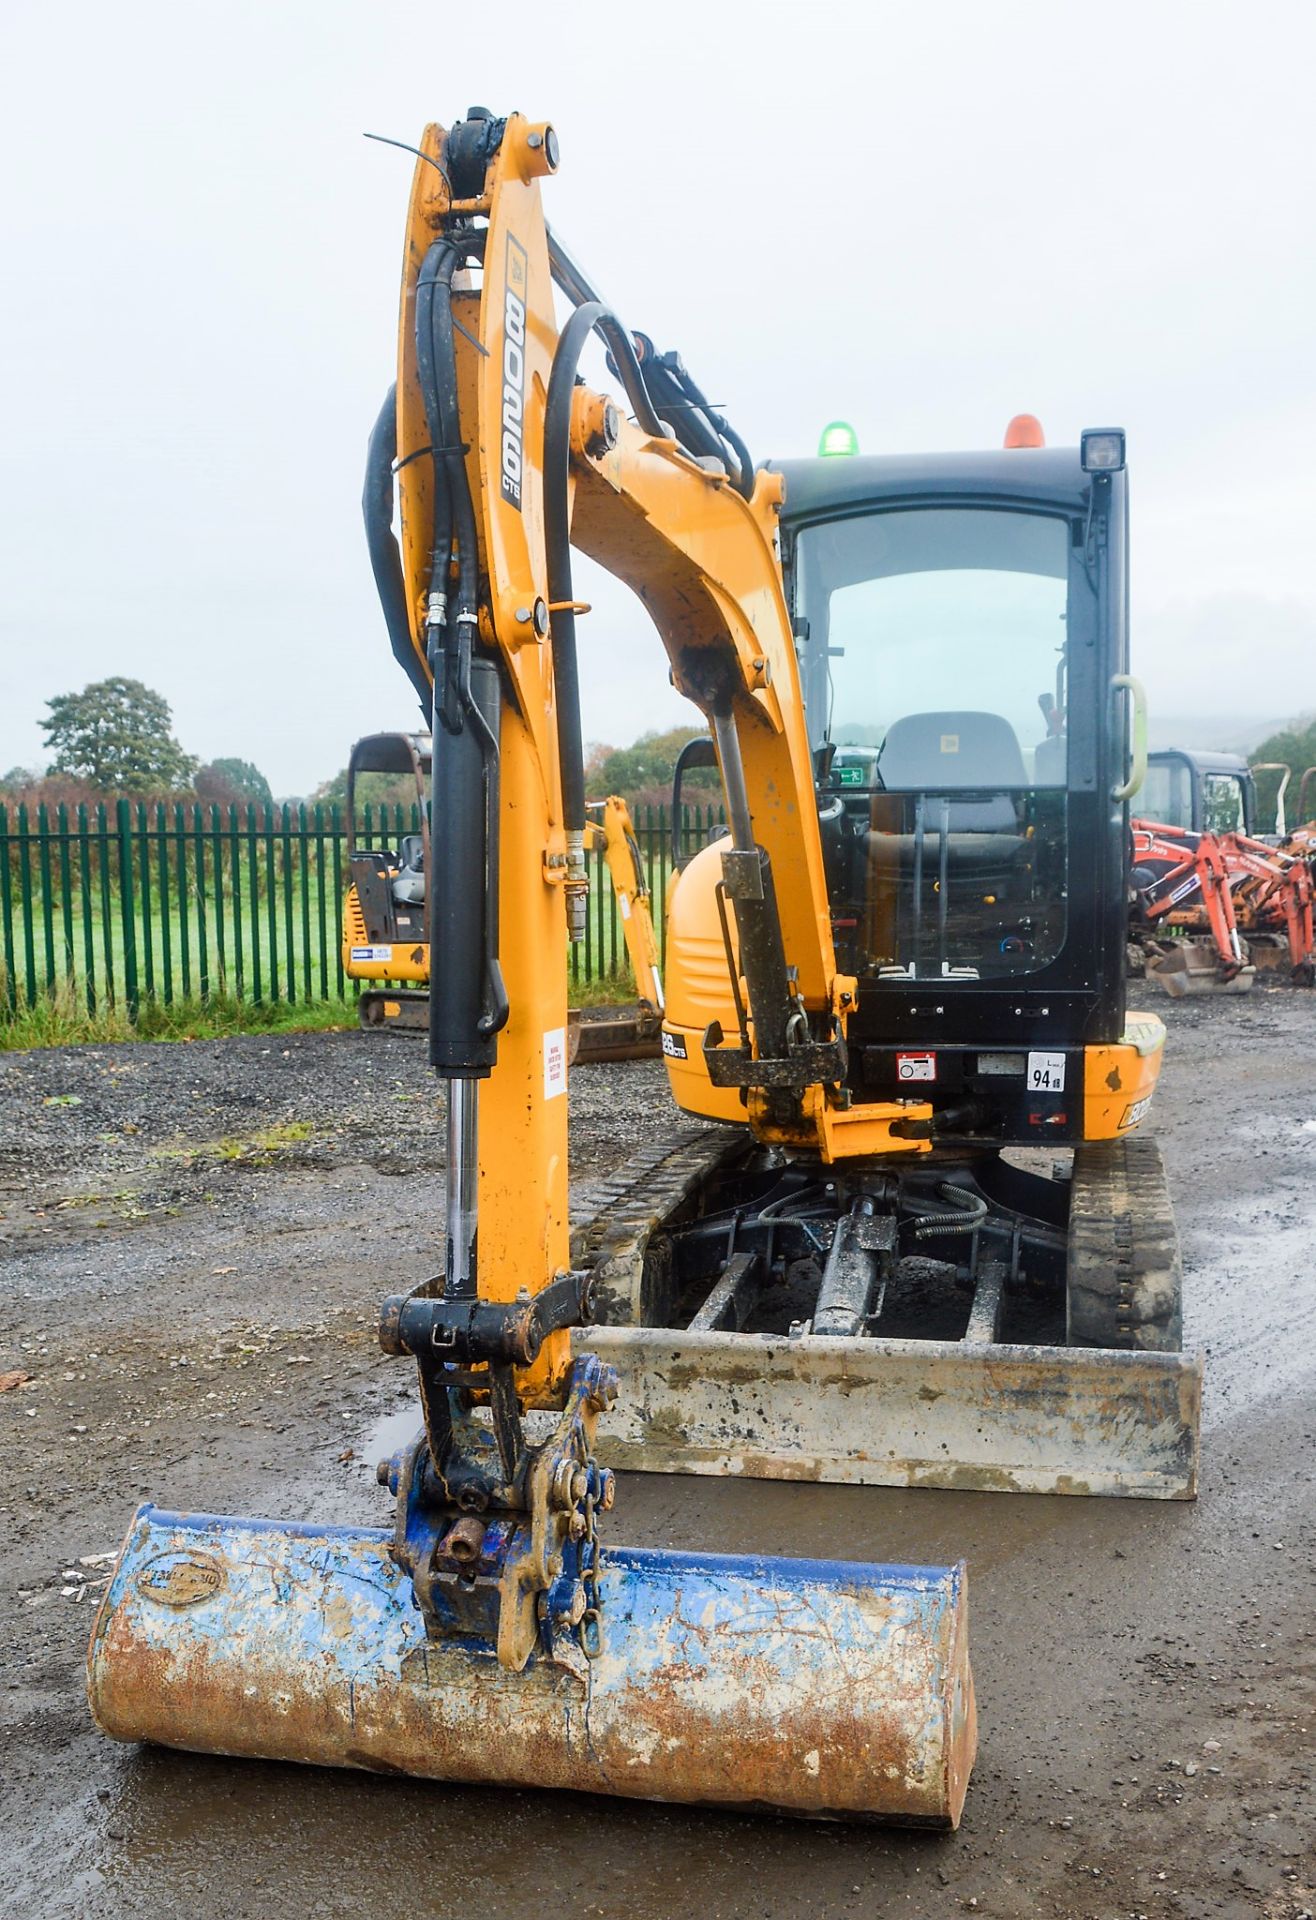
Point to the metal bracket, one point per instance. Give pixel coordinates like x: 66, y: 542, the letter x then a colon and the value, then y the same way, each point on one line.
x: 814, y: 1063
x: 510, y: 1563
x: 742, y: 874
x: 471, y: 1331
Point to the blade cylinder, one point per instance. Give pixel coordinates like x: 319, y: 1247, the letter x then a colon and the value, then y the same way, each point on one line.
x: 817, y: 1687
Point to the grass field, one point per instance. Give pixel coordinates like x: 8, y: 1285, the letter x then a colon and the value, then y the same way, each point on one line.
x: 177, y: 929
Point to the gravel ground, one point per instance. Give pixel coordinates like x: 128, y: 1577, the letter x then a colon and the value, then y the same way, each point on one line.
x: 195, y: 1238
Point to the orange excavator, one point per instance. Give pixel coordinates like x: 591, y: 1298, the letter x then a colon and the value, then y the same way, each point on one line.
x: 1212, y: 901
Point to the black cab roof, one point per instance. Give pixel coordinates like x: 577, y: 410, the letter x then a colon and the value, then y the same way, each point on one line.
x: 817, y: 487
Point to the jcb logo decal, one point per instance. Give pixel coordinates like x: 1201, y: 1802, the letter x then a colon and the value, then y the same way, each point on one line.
x: 513, y: 373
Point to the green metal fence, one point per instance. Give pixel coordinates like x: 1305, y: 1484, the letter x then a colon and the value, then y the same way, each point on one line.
x: 125, y: 902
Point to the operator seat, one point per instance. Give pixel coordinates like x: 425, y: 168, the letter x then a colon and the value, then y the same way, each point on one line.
x: 938, y: 754
x: 409, y: 880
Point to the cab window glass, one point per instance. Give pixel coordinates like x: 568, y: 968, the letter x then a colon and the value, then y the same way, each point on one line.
x: 1166, y: 795
x: 935, y: 669
x: 1222, y: 804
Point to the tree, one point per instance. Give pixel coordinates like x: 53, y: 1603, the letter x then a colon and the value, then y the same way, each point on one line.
x: 232, y: 782
x: 19, y: 777
x: 1295, y: 746
x: 372, y: 790
x: 116, y: 735
x: 644, y: 768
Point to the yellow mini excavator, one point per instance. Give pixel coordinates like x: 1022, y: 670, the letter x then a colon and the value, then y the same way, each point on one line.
x: 903, y: 1233
x: 386, y: 914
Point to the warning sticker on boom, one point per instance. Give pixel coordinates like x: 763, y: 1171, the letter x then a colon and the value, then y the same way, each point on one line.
x: 555, y: 1062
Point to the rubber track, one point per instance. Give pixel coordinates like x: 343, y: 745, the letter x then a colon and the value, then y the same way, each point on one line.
x: 612, y: 1217
x: 1125, y: 1274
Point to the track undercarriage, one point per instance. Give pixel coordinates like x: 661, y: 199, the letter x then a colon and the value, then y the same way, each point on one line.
x: 965, y: 1320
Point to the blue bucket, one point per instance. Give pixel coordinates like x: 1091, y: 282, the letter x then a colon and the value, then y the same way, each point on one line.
x: 819, y: 1688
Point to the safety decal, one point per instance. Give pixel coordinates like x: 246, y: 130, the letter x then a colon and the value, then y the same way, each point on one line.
x: 916, y: 1066
x: 555, y: 1062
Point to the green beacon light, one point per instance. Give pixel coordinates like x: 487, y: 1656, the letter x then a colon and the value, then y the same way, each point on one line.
x: 838, y: 437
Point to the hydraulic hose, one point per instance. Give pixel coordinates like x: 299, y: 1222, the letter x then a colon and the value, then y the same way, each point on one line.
x: 699, y: 427
x: 470, y: 1007
x: 441, y: 535
x: 970, y: 1210
x: 385, y: 559
x: 557, y: 542
x: 744, y: 482
x: 436, y: 357
x: 443, y: 339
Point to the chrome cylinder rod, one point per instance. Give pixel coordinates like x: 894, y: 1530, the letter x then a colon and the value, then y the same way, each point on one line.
x: 463, y: 1186
x: 733, y: 780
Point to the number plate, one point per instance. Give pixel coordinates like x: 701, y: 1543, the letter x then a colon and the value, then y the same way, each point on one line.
x: 1046, y: 1073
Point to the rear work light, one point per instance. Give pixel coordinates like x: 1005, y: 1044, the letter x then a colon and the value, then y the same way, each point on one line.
x: 1103, y: 449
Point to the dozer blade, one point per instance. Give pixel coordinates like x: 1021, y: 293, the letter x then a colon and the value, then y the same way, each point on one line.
x: 597, y: 1034
x: 815, y: 1687
x: 403, y: 1009
x: 903, y: 1413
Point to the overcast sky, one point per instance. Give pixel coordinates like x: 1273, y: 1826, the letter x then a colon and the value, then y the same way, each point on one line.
x: 922, y: 218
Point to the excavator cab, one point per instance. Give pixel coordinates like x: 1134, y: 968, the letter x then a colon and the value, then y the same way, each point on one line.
x: 961, y: 626
x: 1198, y: 792
x: 959, y: 631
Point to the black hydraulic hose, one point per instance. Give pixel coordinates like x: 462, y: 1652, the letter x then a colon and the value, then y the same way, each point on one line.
x: 699, y: 427
x: 970, y: 1212
x: 625, y: 363
x: 444, y: 344
x: 441, y: 535
x: 385, y: 559
x: 689, y: 421
x: 744, y: 483
x: 452, y: 632
x: 557, y: 543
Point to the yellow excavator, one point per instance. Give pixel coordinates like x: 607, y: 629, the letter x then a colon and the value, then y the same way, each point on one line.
x: 903, y: 1234
x: 385, y: 934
